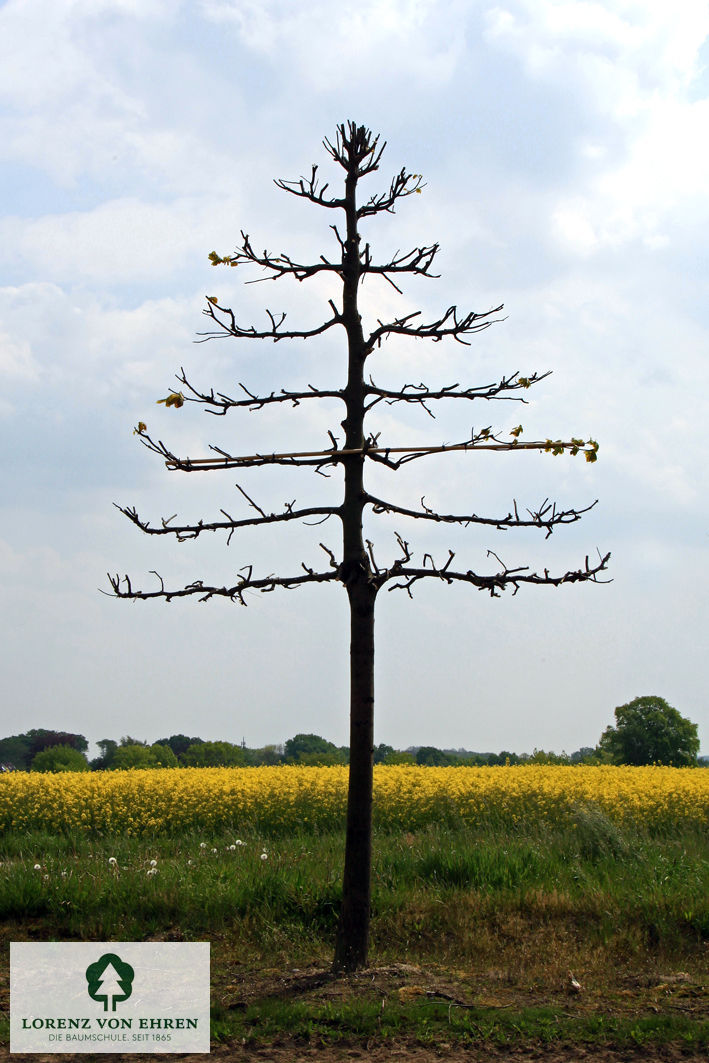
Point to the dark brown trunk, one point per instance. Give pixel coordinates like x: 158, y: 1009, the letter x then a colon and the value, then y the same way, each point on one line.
x: 353, y: 931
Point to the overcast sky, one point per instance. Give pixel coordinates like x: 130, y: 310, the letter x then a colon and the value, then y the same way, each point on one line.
x: 565, y: 153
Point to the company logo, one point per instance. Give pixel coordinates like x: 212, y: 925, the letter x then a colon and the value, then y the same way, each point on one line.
x: 110, y: 980
x: 109, y: 996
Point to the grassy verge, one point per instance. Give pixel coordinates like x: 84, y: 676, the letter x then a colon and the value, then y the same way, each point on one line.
x: 436, y: 1023
x: 473, y: 935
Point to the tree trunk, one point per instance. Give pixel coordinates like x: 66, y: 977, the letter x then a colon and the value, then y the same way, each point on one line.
x: 353, y: 932
x: 356, y: 573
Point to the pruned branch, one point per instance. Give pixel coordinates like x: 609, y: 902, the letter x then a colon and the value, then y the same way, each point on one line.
x: 449, y: 324
x: 310, y: 189
x: 315, y: 458
x: 121, y: 586
x: 222, y: 402
x: 481, y: 440
x: 183, y: 532
x: 227, y: 325
x: 355, y: 149
x: 280, y: 265
x: 420, y: 393
x: 547, y: 516
x: 219, y: 402
x: 403, y: 185
x: 417, y: 261
x: 495, y: 582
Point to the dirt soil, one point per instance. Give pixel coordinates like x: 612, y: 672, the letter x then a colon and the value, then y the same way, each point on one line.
x: 400, y: 1052
x: 670, y: 993
x: 632, y: 996
x: 403, y: 1053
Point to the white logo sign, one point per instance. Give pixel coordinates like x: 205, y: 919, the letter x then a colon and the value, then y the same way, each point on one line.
x: 126, y: 996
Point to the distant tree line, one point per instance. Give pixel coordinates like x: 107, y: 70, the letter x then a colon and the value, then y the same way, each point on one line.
x: 647, y: 731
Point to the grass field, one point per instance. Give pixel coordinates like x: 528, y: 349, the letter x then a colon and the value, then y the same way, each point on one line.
x: 475, y: 925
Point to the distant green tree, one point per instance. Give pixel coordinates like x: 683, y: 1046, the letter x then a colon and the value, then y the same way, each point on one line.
x: 381, y: 752
x: 107, y: 751
x: 59, y: 758
x: 649, y: 731
x: 40, y: 739
x: 128, y: 740
x: 302, y: 745
x: 265, y: 755
x: 133, y: 755
x: 335, y: 756
x: 399, y: 757
x: 540, y: 756
x: 15, y: 752
x: 164, y: 756
x: 213, y: 755
x: 20, y: 750
x: 505, y: 757
x: 436, y: 758
x: 584, y: 755
x: 178, y: 743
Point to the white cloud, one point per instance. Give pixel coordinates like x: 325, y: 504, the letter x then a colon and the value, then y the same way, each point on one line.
x: 78, y: 104
x: 76, y: 349
x: 120, y: 241
x: 326, y: 42
x: 16, y: 359
x: 634, y: 66
x: 645, y: 47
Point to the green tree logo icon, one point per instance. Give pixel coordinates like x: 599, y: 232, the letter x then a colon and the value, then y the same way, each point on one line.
x: 110, y: 980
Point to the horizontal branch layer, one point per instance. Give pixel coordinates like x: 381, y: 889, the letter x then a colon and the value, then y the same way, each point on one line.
x: 420, y: 394
x: 222, y: 402
x: 405, y: 575
x: 448, y: 325
x: 484, y: 441
x: 494, y: 583
x: 121, y: 587
x: 184, y: 532
x: 227, y: 325
x: 416, y: 261
x: 547, y: 516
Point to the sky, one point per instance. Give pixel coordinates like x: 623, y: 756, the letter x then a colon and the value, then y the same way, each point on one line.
x: 564, y: 150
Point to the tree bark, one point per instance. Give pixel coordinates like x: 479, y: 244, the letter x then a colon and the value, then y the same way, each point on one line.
x: 352, y: 942
x: 353, y: 932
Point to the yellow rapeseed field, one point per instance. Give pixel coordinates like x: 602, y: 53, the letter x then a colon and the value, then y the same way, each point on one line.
x: 279, y: 800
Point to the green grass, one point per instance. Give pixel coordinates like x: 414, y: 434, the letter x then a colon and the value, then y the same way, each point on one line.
x: 638, y: 886
x: 495, y: 913
x: 431, y: 1022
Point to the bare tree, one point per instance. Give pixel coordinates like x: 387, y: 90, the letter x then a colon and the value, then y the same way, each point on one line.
x: 359, y: 153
